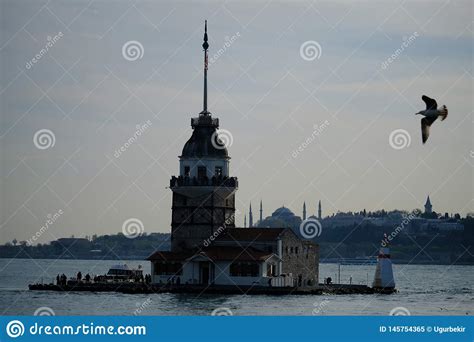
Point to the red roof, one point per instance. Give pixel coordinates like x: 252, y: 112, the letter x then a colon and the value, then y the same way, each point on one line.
x: 236, y: 253
x: 250, y: 234
x: 169, y: 256
x: 215, y: 253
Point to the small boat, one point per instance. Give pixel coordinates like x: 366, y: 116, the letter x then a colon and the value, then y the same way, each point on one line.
x: 122, y: 273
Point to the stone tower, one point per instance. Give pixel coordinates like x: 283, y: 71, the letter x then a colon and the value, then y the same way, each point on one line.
x: 203, y: 193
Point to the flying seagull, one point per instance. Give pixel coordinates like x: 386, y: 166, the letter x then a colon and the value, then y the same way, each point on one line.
x: 430, y: 114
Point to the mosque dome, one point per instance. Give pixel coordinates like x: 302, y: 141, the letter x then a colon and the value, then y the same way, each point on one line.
x: 283, y: 212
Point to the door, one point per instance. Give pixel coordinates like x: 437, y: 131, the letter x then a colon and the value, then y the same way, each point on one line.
x: 205, y: 273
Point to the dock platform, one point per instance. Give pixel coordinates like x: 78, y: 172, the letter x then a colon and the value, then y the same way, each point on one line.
x: 141, y: 288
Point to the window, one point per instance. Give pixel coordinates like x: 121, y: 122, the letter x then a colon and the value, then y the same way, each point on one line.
x: 187, y: 171
x: 244, y: 269
x: 291, y: 250
x: 296, y: 250
x: 202, y: 172
x: 218, y: 171
x: 168, y: 268
x: 271, y: 270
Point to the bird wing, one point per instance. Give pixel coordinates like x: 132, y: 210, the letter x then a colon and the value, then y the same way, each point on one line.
x: 430, y: 103
x: 425, y: 127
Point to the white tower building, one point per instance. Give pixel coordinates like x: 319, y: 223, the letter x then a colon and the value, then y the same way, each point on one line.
x: 383, y: 280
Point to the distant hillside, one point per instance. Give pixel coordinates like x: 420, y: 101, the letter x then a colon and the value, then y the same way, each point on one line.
x: 358, y: 240
x: 98, y: 247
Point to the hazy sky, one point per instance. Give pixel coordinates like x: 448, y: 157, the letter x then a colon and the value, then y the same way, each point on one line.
x: 264, y: 92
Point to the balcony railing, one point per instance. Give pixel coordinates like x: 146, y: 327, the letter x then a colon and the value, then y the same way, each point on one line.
x: 205, y: 121
x: 230, y: 182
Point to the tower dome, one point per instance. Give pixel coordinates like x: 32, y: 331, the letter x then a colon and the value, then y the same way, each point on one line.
x: 204, y: 142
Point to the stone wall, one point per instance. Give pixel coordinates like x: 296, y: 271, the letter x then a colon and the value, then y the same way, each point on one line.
x: 196, y: 218
x: 301, y: 259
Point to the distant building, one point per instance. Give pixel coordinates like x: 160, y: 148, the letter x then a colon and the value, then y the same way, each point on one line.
x: 206, y: 247
x: 428, y: 206
x: 422, y: 226
x: 343, y: 220
x: 282, y: 217
x: 72, y: 242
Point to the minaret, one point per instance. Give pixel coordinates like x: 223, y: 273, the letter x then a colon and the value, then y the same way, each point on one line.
x: 304, y: 211
x: 428, y: 206
x: 320, y: 212
x: 261, y: 212
x: 204, y: 192
x: 250, y: 216
x: 245, y: 221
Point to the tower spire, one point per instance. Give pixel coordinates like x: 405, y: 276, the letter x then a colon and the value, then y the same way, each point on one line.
x: 205, y: 46
x: 261, y: 211
x: 250, y: 216
x: 304, y: 211
x: 428, y: 206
